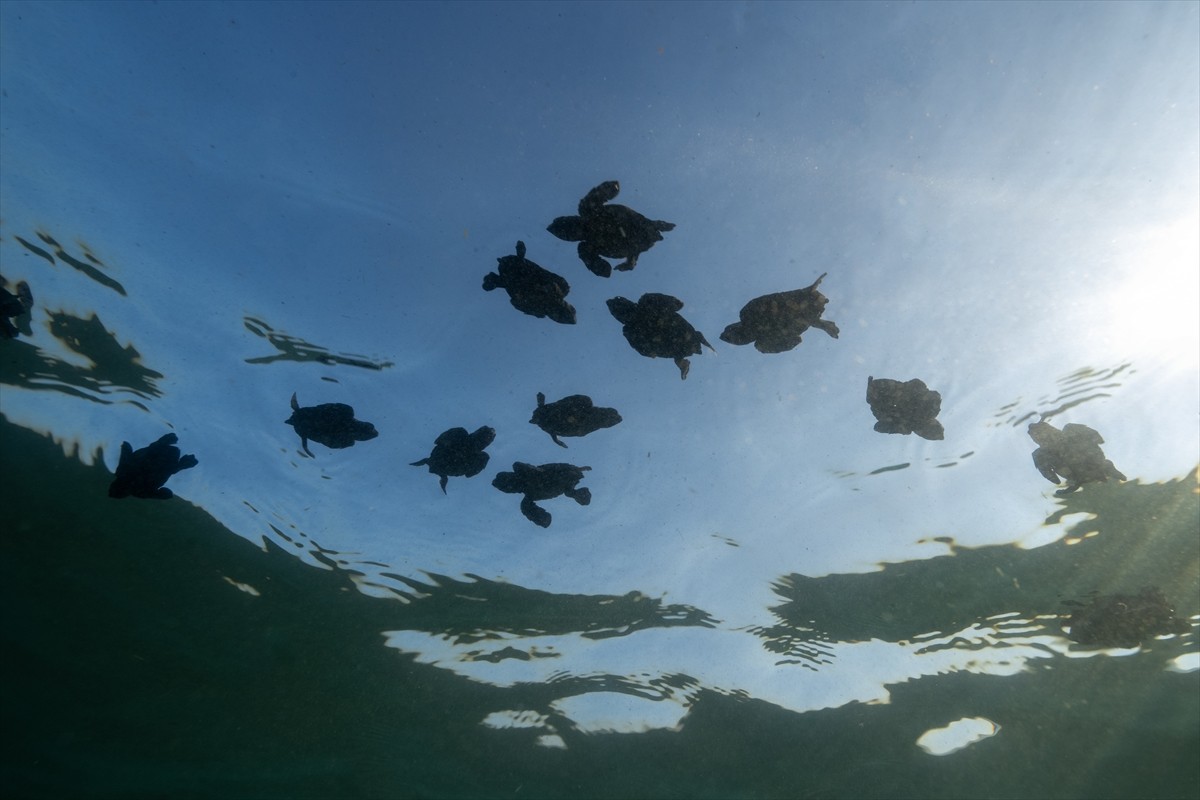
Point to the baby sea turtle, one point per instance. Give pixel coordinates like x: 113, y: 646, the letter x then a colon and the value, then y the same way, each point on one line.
x: 1073, y: 454
x: 572, y: 416
x: 331, y: 424
x: 1124, y: 620
x: 909, y: 407
x: 610, y: 230
x: 458, y: 453
x: 774, y: 322
x: 655, y: 328
x: 531, y: 289
x: 542, y: 483
x: 14, y: 306
x: 142, y: 473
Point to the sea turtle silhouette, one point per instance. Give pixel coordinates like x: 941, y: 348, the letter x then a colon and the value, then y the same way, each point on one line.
x: 330, y: 424
x: 908, y: 407
x: 1072, y: 453
x: 572, y: 416
x: 531, y: 288
x: 654, y: 327
x: 611, y: 230
x: 458, y: 453
x: 774, y: 322
x: 542, y: 483
x: 13, y: 306
x: 142, y: 472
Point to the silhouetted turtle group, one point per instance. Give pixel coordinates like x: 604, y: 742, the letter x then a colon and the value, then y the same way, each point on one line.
x: 653, y: 326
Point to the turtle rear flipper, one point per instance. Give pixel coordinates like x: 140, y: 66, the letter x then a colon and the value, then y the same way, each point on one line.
x: 1112, y: 472
x: 304, y: 447
x: 557, y: 441
x: 160, y: 494
x: 684, y: 365
x: 443, y: 480
x: 582, y: 495
x: 592, y: 259
x: 890, y: 426
x: 930, y: 430
x: 535, y: 513
x: 628, y: 264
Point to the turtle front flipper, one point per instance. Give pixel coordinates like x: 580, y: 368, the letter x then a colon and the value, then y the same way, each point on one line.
x: 582, y: 495
x: 828, y: 326
x: 187, y: 462
x: 161, y: 494
x: 684, y: 365
x: 535, y: 513
x: 592, y: 259
x: 1045, y: 465
x: 593, y: 200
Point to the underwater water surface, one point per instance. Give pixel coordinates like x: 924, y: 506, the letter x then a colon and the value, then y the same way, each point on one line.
x: 227, y: 216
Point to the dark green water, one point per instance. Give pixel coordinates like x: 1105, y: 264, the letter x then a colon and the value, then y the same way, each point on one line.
x: 134, y: 668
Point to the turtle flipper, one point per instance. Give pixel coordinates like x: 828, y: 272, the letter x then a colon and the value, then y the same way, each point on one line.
x: 1044, y: 466
x: 582, y: 495
x: 684, y: 365
x: 420, y: 463
x: 443, y: 481
x: 304, y: 447
x: 828, y: 326
x: 557, y: 441
x: 930, y: 430
x: 491, y: 281
x: 593, y: 261
x: 598, y: 196
x: 628, y: 263
x: 187, y: 462
x: 295, y: 402
x: 535, y: 513
x: 162, y: 494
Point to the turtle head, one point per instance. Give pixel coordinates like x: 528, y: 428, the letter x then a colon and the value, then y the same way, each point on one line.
x: 569, y: 229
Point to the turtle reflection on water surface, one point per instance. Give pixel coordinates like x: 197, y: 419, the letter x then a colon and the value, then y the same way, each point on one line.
x: 1072, y: 453
x: 458, y: 453
x: 572, y: 416
x: 542, y: 483
x: 1124, y: 620
x: 331, y: 424
x: 532, y: 289
x: 908, y: 407
x: 142, y: 472
x: 774, y: 322
x: 654, y: 327
x: 612, y: 230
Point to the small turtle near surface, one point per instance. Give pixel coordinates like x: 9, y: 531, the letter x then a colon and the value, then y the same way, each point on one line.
x: 908, y: 407
x: 458, y: 453
x: 330, y: 424
x: 142, y: 473
x: 774, y: 322
x: 654, y: 327
x: 1124, y: 620
x: 1072, y: 453
x: 542, y: 483
x: 572, y: 416
x: 531, y: 289
x: 609, y: 230
x: 14, y: 307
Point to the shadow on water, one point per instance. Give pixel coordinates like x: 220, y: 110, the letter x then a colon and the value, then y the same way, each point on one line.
x: 149, y: 651
x: 293, y: 348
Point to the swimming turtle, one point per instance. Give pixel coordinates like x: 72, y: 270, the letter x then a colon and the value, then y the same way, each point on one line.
x: 572, y: 416
x: 1124, y: 620
x: 655, y: 328
x: 14, y: 306
x: 612, y: 230
x: 531, y: 288
x: 1072, y: 453
x: 542, y: 483
x: 908, y: 407
x: 331, y: 424
x: 142, y: 472
x: 774, y: 322
x: 458, y: 453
